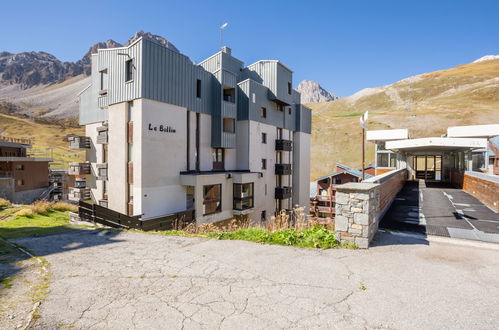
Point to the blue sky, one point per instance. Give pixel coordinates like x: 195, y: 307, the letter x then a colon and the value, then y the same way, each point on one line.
x: 345, y: 45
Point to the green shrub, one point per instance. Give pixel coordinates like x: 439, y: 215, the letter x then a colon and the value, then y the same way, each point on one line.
x: 4, y: 204
x: 315, y: 237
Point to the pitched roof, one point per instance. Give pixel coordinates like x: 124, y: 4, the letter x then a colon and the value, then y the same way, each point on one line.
x: 346, y: 170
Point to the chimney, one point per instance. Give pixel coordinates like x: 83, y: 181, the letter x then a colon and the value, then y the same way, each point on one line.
x: 227, y: 50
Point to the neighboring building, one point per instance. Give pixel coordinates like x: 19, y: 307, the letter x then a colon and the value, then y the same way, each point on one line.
x: 493, y: 156
x: 164, y: 135
x: 60, y: 181
x: 323, y: 190
x: 433, y: 158
x: 23, y: 179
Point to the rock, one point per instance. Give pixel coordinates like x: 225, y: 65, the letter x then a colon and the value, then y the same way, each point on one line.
x: 312, y: 92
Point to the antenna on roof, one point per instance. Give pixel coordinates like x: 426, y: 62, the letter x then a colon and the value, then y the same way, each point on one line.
x: 222, y: 28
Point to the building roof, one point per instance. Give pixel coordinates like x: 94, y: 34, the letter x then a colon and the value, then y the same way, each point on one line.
x: 346, y: 170
x: 437, y: 143
x: 473, y: 131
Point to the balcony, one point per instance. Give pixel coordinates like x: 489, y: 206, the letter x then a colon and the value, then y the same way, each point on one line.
x: 282, y: 192
x: 102, y: 171
x: 102, y: 136
x: 282, y: 169
x: 79, y: 168
x: 79, y: 142
x: 283, y: 145
x: 78, y: 194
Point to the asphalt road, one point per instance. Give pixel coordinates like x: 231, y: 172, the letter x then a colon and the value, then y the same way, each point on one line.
x: 440, y: 209
x: 109, y: 280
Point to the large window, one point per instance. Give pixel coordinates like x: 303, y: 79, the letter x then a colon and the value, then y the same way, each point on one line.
x: 243, y: 196
x: 212, y: 199
x: 230, y: 95
x: 386, y: 159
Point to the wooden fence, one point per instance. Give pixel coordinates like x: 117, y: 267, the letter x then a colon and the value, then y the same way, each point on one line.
x: 104, y: 216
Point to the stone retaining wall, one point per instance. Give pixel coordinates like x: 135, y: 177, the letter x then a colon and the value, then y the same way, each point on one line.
x: 360, y: 206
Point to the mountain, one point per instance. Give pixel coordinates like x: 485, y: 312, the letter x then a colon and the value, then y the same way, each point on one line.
x: 487, y: 58
x: 312, y: 92
x: 426, y: 104
x: 38, y: 84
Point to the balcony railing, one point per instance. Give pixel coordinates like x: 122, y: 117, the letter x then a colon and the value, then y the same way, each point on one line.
x: 102, y: 171
x: 326, y: 209
x: 321, y: 198
x: 78, y: 194
x: 103, y: 202
x: 102, y: 136
x: 283, y: 145
x: 282, y: 169
x: 79, y: 168
x: 79, y: 142
x: 282, y: 192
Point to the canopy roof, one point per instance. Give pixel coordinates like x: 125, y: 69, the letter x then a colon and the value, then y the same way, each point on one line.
x: 437, y: 144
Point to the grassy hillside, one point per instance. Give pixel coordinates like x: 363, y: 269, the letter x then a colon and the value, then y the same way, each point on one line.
x: 426, y: 104
x: 44, y: 136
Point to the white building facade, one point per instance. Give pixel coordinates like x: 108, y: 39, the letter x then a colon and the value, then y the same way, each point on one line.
x: 164, y: 135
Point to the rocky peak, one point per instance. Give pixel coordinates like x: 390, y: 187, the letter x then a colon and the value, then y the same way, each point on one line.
x: 487, y: 58
x: 85, y: 63
x: 155, y: 37
x: 312, y: 92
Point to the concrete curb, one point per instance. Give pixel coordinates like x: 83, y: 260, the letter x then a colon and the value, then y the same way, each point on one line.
x: 446, y: 240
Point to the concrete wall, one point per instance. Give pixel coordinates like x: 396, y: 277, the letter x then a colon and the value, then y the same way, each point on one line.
x: 158, y: 158
x: 117, y: 163
x: 360, y: 206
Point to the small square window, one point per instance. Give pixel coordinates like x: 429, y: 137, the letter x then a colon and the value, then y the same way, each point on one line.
x: 263, y: 112
x: 264, y: 164
x: 20, y: 182
x: 229, y: 125
x: 264, y: 138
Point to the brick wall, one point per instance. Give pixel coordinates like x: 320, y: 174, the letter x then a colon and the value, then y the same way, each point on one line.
x: 483, y: 187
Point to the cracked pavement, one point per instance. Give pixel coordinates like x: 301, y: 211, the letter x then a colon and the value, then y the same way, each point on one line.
x: 125, y: 280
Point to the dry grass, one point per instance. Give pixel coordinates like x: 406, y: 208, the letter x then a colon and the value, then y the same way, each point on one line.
x: 4, y: 204
x: 45, y: 208
x: 464, y: 95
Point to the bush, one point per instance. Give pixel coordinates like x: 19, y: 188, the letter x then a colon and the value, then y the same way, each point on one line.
x: 41, y: 207
x: 4, y: 204
x: 63, y: 206
x: 27, y: 212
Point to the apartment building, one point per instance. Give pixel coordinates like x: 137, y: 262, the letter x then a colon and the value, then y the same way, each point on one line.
x: 165, y: 135
x: 23, y: 178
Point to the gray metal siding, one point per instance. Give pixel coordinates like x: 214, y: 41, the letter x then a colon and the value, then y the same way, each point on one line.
x: 171, y: 77
x: 90, y: 112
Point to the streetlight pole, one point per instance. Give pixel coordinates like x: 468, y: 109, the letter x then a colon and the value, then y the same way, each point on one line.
x: 363, y: 125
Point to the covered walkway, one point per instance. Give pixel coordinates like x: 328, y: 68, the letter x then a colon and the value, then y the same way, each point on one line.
x: 437, y: 208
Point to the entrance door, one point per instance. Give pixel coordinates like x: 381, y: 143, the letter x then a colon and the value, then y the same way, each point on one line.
x: 428, y: 167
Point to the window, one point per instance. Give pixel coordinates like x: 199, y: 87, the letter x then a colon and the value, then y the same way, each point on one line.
x: 289, y: 110
x: 243, y: 196
x: 129, y: 70
x: 198, y: 88
x: 280, y: 107
x: 263, y: 112
x: 263, y: 216
x: 386, y: 159
x: 230, y: 95
x: 212, y: 199
x: 253, y: 97
x: 264, y: 164
x: 20, y: 182
x: 264, y: 138
x: 20, y: 167
x: 103, y: 81
x: 218, y: 159
x: 289, y: 88
x: 229, y: 125
x: 382, y: 160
